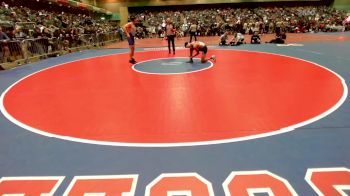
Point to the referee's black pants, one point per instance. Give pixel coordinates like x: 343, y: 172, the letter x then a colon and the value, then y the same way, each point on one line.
x: 171, y: 40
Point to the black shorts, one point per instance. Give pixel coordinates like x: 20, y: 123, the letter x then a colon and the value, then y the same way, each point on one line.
x: 204, y: 49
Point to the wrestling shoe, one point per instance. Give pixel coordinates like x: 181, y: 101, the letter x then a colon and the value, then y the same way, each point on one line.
x: 132, y: 61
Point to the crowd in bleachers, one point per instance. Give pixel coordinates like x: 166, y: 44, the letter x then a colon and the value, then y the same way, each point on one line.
x: 44, y: 30
x: 23, y: 22
x: 61, y: 27
x: 211, y: 22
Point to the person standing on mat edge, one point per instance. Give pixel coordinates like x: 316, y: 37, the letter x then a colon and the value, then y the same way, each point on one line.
x: 130, y: 31
x: 198, y: 47
x: 170, y: 34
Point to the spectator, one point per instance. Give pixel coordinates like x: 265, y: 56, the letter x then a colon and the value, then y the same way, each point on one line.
x: 4, y: 39
x: 223, y: 39
x: 280, y: 39
x: 237, y: 39
x: 37, y: 33
x: 255, y: 39
x: 3, y: 36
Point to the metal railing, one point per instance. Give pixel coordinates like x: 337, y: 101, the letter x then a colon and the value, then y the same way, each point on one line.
x: 27, y: 50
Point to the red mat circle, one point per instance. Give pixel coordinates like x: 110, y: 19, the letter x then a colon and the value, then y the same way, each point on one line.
x: 103, y: 101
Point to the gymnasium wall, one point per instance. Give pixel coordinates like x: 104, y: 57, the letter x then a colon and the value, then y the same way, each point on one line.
x: 91, y: 2
x: 342, y: 4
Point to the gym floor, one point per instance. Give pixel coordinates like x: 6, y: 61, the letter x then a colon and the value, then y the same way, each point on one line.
x: 259, y: 111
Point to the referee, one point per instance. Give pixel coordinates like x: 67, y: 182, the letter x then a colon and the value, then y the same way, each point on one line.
x: 170, y: 34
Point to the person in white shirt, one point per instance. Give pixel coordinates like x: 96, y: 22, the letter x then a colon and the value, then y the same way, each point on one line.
x: 237, y: 39
x: 193, y: 31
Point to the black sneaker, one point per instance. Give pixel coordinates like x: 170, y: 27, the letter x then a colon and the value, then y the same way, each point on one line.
x: 132, y: 61
x: 190, y: 61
